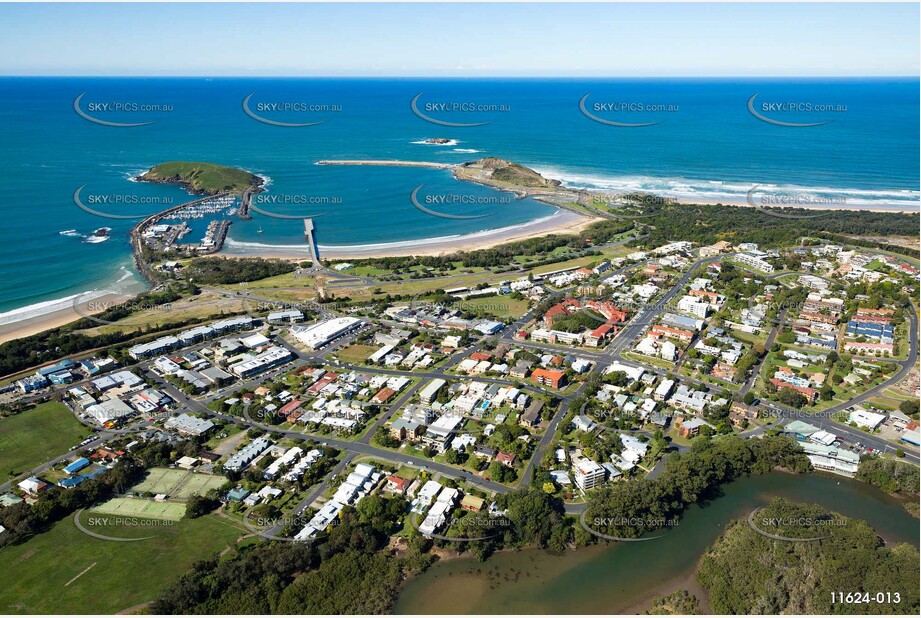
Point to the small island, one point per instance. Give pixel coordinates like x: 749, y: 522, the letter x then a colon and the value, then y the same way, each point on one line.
x: 202, y: 178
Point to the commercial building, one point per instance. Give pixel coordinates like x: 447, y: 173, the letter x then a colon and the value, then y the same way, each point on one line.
x: 283, y: 317
x: 264, y: 361
x: 154, y: 348
x: 189, y: 425
x: 322, y: 333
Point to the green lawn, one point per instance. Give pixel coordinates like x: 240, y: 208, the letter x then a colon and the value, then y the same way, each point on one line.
x: 356, y: 353
x: 43, y: 575
x: 498, y: 306
x: 143, y: 509
x: 31, y: 438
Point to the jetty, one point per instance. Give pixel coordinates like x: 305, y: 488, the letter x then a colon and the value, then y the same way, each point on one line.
x: 390, y: 163
x: 137, y: 233
x: 312, y: 244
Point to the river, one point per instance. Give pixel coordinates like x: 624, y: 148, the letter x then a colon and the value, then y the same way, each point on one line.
x: 624, y: 577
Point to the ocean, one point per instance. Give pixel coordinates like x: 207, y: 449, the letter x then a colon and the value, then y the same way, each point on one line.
x: 700, y: 142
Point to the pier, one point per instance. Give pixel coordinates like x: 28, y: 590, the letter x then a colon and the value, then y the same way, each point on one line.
x: 311, y: 243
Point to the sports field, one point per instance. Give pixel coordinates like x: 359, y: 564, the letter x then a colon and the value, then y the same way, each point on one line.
x: 65, y: 571
x: 198, y: 484
x: 178, y: 484
x: 136, y: 507
x: 31, y: 438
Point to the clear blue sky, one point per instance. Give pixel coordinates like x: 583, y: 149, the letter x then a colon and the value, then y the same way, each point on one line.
x: 460, y: 39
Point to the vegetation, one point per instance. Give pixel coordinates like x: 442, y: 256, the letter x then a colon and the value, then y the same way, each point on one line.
x: 53, y: 572
x: 680, y: 602
x: 632, y: 509
x: 202, y: 178
x: 890, y: 475
x: 23, y: 520
x: 506, y: 172
x: 348, y: 572
x: 222, y: 271
x: 50, y: 345
x: 707, y: 224
x: 35, y: 436
x: 748, y: 573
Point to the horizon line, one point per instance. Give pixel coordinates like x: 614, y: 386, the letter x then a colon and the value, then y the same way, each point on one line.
x: 446, y: 77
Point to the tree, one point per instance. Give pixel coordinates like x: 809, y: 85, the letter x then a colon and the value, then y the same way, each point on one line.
x: 909, y: 408
x: 792, y: 398
x: 200, y: 505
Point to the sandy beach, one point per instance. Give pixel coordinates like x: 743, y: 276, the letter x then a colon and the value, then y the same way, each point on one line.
x: 72, y: 312
x: 561, y: 222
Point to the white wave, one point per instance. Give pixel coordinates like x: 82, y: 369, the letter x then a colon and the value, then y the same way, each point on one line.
x: 465, y: 150
x: 733, y: 191
x: 126, y: 285
x: 48, y: 306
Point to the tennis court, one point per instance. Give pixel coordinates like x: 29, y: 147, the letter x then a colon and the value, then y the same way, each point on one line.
x: 198, y: 484
x: 160, y: 480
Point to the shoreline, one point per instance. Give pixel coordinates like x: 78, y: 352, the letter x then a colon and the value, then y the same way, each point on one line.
x: 66, y: 310
x: 560, y: 222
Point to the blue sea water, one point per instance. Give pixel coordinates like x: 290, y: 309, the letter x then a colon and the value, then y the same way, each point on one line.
x: 706, y: 146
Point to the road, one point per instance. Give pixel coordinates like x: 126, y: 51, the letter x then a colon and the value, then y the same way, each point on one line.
x: 601, y: 359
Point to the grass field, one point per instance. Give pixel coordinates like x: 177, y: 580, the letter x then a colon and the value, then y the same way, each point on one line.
x: 135, y: 507
x: 178, y: 484
x: 31, y: 438
x: 66, y: 571
x: 356, y: 353
x: 204, y: 307
x: 498, y: 306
